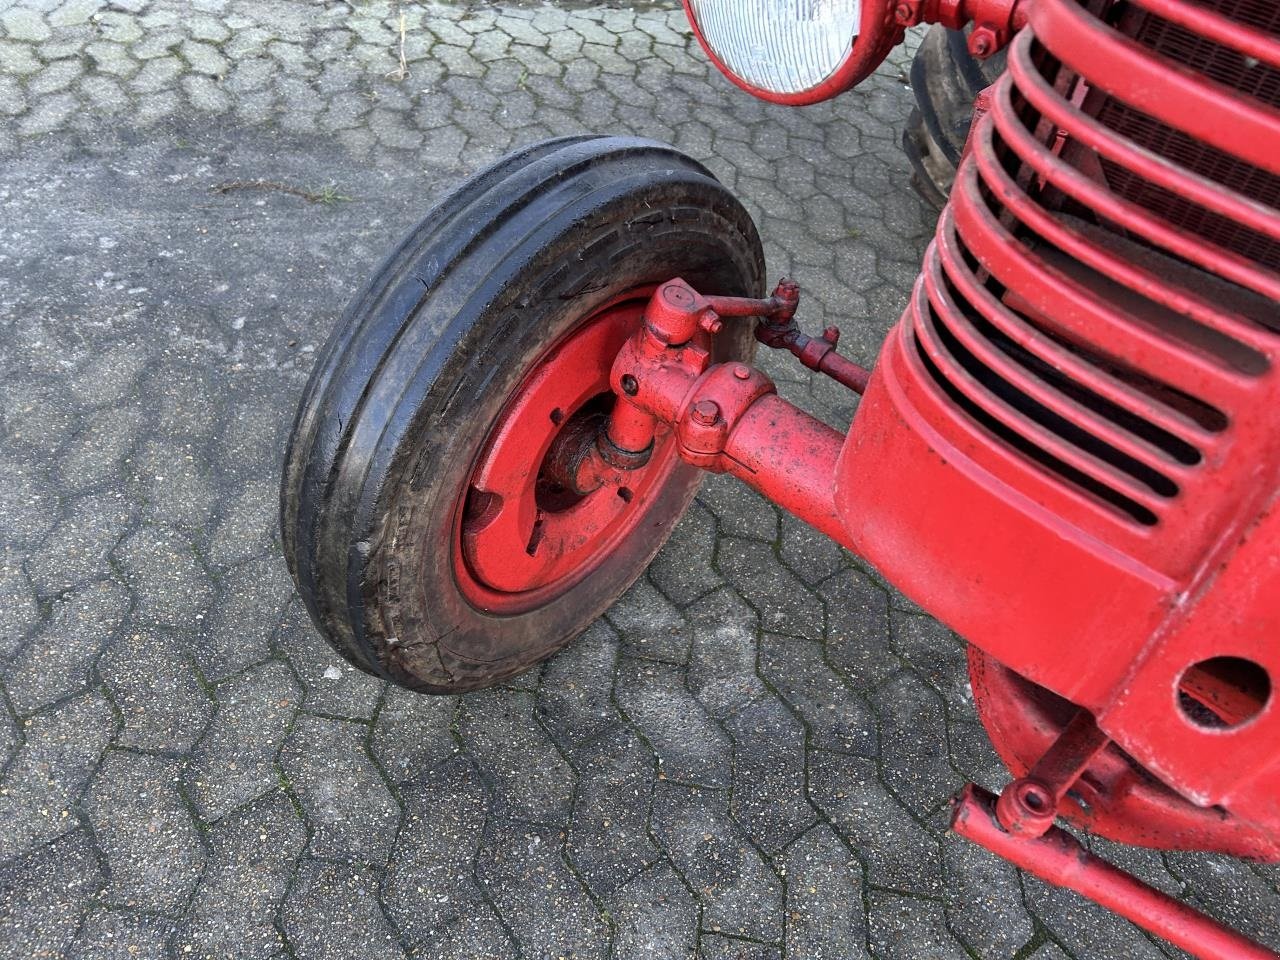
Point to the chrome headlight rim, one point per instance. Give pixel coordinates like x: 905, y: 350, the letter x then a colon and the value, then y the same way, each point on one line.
x: 877, y: 33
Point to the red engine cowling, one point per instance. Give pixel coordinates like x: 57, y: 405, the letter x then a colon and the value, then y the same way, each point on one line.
x: 1070, y: 448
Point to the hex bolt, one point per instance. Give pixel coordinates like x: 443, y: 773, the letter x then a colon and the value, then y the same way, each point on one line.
x: 711, y: 323
x: 705, y: 413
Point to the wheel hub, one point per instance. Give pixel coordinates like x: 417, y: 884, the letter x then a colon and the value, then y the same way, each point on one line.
x: 532, y: 523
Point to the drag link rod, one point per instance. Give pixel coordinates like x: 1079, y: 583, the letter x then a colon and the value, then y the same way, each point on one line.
x: 781, y: 304
x: 780, y: 331
x: 819, y: 353
x: 1058, y: 858
x: 778, y: 328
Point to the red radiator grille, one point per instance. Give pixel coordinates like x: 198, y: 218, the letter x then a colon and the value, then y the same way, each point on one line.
x: 1098, y: 312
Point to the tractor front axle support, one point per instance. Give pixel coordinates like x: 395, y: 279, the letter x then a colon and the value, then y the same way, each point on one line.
x: 727, y: 417
x: 1018, y: 825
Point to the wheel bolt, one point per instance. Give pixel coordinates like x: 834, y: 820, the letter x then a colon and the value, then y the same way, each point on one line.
x: 705, y: 412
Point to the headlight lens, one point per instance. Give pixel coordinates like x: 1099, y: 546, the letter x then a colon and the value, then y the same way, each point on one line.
x: 785, y: 47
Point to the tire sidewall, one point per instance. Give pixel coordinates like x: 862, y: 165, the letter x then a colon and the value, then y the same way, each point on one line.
x: 408, y: 606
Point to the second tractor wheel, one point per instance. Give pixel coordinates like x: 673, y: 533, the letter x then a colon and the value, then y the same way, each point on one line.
x: 423, y: 518
x: 945, y: 78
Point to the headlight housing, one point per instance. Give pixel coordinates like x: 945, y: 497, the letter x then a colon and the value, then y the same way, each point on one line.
x: 793, y: 51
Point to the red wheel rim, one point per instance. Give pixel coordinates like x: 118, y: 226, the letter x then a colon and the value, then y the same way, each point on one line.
x: 520, y: 541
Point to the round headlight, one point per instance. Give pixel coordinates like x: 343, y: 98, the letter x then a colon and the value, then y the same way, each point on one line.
x: 785, y: 50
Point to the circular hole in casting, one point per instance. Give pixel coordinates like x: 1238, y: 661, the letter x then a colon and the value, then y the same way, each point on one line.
x: 1223, y: 693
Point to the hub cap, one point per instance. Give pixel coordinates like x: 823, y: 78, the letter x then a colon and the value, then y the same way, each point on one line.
x: 524, y: 537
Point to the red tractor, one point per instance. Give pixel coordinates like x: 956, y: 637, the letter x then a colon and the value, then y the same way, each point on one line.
x: 1068, y: 449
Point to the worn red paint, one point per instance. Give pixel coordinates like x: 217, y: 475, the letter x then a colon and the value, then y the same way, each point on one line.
x: 1068, y: 450
x: 1092, y: 440
x: 1111, y: 525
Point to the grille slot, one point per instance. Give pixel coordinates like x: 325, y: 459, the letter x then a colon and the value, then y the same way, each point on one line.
x: 1220, y: 64
x: 1185, y: 151
x: 1049, y: 416
x: 1231, y: 69
x: 1262, y: 15
x: 1104, y: 493
x: 1217, y: 229
x: 1168, y: 323
x: 1069, y: 414
x: 1172, y: 445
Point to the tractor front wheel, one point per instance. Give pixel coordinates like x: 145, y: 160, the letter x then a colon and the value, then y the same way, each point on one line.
x: 431, y: 536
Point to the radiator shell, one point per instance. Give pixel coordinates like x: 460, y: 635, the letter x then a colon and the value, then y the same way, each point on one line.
x: 1069, y: 451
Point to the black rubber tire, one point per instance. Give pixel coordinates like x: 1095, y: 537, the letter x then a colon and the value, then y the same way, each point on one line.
x: 404, y: 394
x: 945, y: 78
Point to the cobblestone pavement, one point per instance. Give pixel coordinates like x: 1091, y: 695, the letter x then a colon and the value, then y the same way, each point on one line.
x: 750, y: 756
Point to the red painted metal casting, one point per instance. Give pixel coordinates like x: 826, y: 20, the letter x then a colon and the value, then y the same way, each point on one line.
x: 726, y: 417
x: 994, y: 21
x: 1092, y: 405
